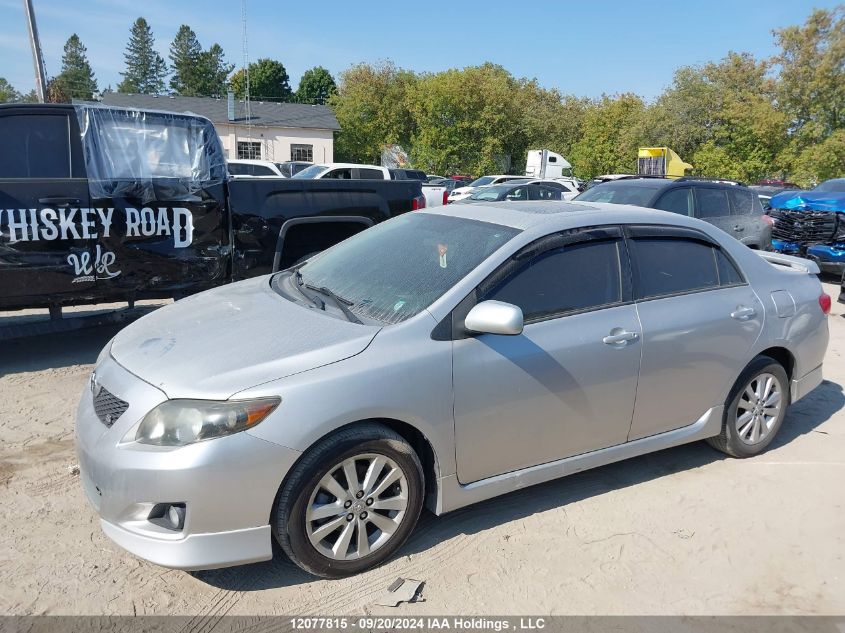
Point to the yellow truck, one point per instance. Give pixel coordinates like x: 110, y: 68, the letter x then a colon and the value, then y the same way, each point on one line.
x: 660, y: 161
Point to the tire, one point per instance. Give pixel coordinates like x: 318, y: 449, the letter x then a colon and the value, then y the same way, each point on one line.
x: 313, y: 525
x: 751, y: 436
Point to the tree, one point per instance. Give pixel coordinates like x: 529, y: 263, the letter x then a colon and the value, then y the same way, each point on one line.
x: 185, y: 54
x: 268, y: 81
x: 145, y: 68
x: 213, y: 72
x: 467, y: 120
x: 812, y: 74
x: 76, y: 81
x: 316, y: 86
x: 8, y: 94
x: 371, y: 105
x: 611, y: 135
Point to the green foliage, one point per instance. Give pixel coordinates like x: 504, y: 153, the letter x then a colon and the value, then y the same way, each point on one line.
x: 76, y: 81
x: 316, y: 86
x: 185, y: 53
x: 145, y: 68
x: 213, y: 72
x: 610, y: 137
x: 197, y: 73
x: 8, y: 94
x: 372, y: 106
x: 268, y: 81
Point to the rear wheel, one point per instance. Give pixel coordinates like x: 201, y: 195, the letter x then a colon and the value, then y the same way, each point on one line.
x: 350, y: 502
x: 755, y: 409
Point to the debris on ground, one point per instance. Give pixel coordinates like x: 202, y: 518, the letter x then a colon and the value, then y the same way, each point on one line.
x: 401, y: 590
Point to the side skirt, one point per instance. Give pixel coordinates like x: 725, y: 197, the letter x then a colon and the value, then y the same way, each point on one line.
x: 454, y: 495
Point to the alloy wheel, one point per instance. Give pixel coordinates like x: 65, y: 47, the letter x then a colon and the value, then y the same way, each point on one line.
x: 356, y: 507
x: 759, y: 408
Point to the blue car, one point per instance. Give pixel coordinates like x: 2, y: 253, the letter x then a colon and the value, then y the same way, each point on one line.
x: 812, y: 224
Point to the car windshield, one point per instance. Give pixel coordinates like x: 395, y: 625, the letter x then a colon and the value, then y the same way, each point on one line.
x: 480, y: 182
x: 620, y: 193
x: 489, y: 193
x: 398, y: 268
x: 837, y: 184
x: 310, y: 172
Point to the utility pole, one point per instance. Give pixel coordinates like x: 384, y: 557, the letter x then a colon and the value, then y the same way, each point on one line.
x: 37, y: 57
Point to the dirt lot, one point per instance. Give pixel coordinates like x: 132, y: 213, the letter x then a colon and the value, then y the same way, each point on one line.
x: 683, y: 531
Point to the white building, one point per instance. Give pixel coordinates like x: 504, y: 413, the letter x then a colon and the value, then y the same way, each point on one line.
x: 274, y: 131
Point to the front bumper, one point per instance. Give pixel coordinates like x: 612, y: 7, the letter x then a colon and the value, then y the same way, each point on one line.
x: 228, y: 484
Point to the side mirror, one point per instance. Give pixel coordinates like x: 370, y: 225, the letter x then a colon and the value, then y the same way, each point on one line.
x: 495, y: 317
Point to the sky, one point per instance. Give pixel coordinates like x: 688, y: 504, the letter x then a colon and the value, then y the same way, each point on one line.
x: 582, y: 48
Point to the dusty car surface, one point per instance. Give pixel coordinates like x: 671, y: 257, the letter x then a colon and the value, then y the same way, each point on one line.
x: 440, y: 358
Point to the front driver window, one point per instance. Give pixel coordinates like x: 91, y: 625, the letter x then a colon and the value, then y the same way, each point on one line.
x: 573, y: 278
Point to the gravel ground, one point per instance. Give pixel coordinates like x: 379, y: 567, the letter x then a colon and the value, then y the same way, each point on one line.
x: 683, y: 531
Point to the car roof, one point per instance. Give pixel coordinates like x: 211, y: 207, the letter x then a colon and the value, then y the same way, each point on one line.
x: 559, y: 215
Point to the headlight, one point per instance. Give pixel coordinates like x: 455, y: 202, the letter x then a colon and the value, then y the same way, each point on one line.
x: 181, y: 422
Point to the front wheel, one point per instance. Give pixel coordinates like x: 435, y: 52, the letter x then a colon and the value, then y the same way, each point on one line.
x: 350, y: 502
x: 755, y: 409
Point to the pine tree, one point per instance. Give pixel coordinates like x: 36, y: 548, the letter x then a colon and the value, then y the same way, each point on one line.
x: 76, y: 80
x: 145, y: 68
x: 185, y: 61
x: 213, y: 72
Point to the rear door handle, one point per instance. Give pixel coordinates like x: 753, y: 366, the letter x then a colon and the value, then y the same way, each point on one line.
x: 620, y: 338
x: 743, y: 313
x: 739, y: 227
x: 60, y: 201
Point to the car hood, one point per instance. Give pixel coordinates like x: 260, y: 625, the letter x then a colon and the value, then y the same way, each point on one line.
x: 222, y: 341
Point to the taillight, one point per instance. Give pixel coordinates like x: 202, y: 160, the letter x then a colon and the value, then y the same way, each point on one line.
x: 445, y: 197
x: 769, y: 220
x: 418, y: 203
x: 824, y: 302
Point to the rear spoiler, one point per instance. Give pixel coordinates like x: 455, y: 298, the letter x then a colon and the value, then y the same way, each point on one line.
x: 798, y: 264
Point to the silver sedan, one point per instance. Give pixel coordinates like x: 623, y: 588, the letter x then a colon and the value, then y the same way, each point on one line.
x: 438, y: 359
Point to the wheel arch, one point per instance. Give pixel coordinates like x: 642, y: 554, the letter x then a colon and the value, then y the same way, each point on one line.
x: 783, y: 356
x: 411, y: 434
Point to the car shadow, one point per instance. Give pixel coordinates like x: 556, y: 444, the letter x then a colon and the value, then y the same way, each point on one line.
x: 802, y: 418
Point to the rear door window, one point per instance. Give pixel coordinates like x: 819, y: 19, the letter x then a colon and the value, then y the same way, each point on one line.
x: 711, y: 203
x: 677, y: 201
x: 742, y: 201
x: 35, y: 146
x: 668, y: 266
x: 370, y: 174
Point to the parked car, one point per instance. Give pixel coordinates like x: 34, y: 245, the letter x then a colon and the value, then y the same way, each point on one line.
x: 459, y: 193
x: 733, y: 208
x: 440, y: 358
x: 765, y: 193
x: 87, y: 217
x: 812, y: 224
x: 343, y: 171
x: 514, y: 191
x: 254, y: 169
x: 436, y: 194
x: 291, y: 167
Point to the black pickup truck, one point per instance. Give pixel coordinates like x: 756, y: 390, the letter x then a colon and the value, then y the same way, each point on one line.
x: 103, y: 204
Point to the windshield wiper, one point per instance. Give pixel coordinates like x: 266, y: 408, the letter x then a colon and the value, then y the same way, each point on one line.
x: 297, y: 281
x: 341, y: 302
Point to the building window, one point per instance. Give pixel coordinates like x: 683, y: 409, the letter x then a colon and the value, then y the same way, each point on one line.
x: 302, y: 152
x: 249, y: 150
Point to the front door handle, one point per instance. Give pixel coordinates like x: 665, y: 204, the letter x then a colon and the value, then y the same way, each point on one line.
x: 743, y: 313
x: 620, y: 337
x: 60, y: 201
x: 739, y: 227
